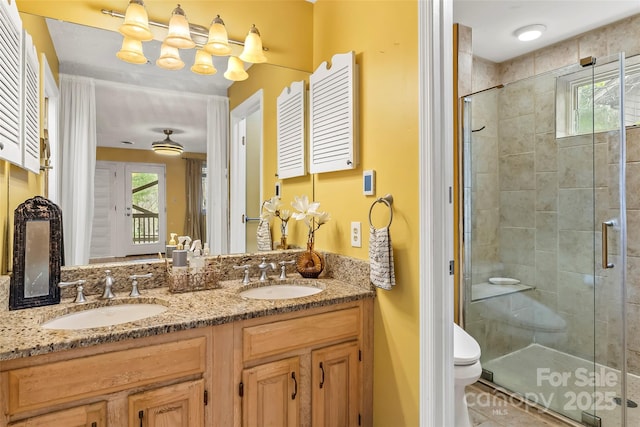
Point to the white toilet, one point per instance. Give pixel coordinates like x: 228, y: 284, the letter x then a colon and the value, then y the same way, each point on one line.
x: 467, y: 370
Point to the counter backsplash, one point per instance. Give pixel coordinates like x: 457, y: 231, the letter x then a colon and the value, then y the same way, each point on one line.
x: 350, y: 270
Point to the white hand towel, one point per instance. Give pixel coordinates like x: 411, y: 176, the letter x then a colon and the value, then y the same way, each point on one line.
x: 381, y: 268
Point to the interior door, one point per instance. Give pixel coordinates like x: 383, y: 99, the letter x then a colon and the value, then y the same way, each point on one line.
x: 245, y: 174
x: 145, y: 209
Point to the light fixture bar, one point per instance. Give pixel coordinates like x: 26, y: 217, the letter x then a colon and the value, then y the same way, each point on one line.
x: 196, y: 31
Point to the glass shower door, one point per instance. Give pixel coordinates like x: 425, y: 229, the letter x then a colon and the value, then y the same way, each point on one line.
x: 542, y: 167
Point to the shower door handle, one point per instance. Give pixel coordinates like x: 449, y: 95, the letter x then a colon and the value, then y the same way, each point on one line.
x: 605, y: 249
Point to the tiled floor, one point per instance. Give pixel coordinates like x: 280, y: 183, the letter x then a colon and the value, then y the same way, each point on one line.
x: 488, y: 408
x: 565, y: 384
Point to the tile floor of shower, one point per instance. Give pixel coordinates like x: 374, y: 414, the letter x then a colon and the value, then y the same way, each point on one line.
x: 519, y: 371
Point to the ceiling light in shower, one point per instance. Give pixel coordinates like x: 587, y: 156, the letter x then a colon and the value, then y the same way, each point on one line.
x: 530, y: 32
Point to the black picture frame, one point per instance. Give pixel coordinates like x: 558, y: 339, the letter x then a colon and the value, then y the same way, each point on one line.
x: 28, y: 237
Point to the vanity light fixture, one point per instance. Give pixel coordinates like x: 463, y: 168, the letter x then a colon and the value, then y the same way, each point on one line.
x: 167, y: 147
x: 530, y: 32
x: 136, y: 22
x: 169, y: 58
x: 203, y: 63
x: 131, y: 51
x: 182, y: 35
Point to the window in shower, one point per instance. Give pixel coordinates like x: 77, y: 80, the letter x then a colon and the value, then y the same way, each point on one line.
x: 583, y: 106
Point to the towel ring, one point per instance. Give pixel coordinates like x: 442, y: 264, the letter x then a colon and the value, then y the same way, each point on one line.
x: 387, y: 200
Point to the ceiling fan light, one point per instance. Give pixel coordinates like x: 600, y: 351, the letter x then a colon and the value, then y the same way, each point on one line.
x: 169, y: 58
x: 167, y: 147
x: 178, y: 34
x: 235, y: 70
x: 253, y: 47
x: 136, y: 22
x: 131, y: 51
x: 203, y: 63
x: 218, y: 42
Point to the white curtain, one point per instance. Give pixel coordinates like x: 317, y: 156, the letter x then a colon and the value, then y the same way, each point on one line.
x: 217, y: 174
x: 78, y: 164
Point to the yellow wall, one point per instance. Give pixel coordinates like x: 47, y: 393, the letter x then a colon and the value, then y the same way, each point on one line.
x: 176, y: 169
x: 384, y: 36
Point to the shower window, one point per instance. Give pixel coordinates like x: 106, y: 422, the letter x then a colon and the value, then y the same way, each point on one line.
x: 583, y: 106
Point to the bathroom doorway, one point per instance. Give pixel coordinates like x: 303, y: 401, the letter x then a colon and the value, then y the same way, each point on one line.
x: 544, y: 239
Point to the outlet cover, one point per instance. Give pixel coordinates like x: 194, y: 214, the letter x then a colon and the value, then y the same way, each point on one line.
x: 356, y: 234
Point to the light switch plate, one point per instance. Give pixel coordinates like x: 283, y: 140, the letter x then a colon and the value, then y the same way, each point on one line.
x: 356, y: 234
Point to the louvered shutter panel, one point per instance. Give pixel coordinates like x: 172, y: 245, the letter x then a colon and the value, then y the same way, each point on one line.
x: 31, y: 105
x: 333, y: 138
x: 10, y: 86
x: 290, y: 118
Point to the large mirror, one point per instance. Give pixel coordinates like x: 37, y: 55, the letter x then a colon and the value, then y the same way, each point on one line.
x: 137, y: 105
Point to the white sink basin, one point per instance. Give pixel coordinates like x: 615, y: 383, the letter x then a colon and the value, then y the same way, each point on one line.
x: 280, y: 292
x: 104, y: 316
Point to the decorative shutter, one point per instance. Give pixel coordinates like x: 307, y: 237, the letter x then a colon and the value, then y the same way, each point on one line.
x: 10, y: 86
x: 31, y: 105
x: 333, y: 138
x: 291, y: 131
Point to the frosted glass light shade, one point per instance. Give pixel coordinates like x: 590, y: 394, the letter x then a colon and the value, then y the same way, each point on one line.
x: 235, y: 70
x: 178, y: 34
x: 203, y: 63
x: 167, y: 147
x: 253, y: 47
x: 218, y: 42
x: 131, y: 51
x: 136, y: 22
x: 169, y: 58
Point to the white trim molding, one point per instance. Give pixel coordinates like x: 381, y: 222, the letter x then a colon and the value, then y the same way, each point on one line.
x: 436, y: 213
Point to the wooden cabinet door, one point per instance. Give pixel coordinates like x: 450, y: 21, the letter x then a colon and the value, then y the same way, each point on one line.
x: 270, y: 395
x: 335, y: 386
x: 178, y: 405
x: 83, y: 416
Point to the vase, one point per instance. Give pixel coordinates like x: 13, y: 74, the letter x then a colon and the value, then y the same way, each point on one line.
x: 310, y: 263
x: 283, y: 243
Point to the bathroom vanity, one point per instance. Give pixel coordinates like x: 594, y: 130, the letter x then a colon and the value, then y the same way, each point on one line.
x: 212, y: 358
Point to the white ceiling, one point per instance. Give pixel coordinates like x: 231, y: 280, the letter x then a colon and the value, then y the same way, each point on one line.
x: 126, y: 113
x: 494, y: 22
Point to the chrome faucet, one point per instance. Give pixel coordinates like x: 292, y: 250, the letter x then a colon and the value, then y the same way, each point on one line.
x: 263, y: 267
x: 134, y: 283
x: 108, y: 283
x: 283, y: 268
x: 245, y: 276
x: 79, y: 289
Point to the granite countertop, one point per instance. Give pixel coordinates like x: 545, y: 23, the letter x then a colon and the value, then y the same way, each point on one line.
x: 21, y: 334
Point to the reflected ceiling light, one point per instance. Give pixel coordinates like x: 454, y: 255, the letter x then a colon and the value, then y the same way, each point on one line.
x: 235, y: 70
x: 136, y: 22
x: 253, y: 47
x: 167, y: 147
x: 530, y: 32
x: 169, y: 58
x: 131, y: 51
x: 182, y: 35
x: 178, y: 35
x: 218, y: 42
x: 203, y: 63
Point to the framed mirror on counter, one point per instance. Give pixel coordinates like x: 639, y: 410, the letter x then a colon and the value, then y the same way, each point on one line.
x: 38, y: 254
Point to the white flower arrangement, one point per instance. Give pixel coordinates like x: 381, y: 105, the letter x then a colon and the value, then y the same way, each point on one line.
x: 272, y: 208
x: 310, y: 214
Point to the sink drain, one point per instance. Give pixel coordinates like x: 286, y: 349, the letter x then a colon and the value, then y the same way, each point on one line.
x: 630, y: 403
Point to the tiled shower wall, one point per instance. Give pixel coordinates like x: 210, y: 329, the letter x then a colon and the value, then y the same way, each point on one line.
x: 533, y: 204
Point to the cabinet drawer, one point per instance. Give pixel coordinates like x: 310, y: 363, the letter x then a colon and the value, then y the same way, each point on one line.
x: 46, y: 385
x: 280, y: 337
x: 90, y: 415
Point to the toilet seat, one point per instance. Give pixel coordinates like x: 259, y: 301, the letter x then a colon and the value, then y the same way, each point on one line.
x: 466, y: 350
